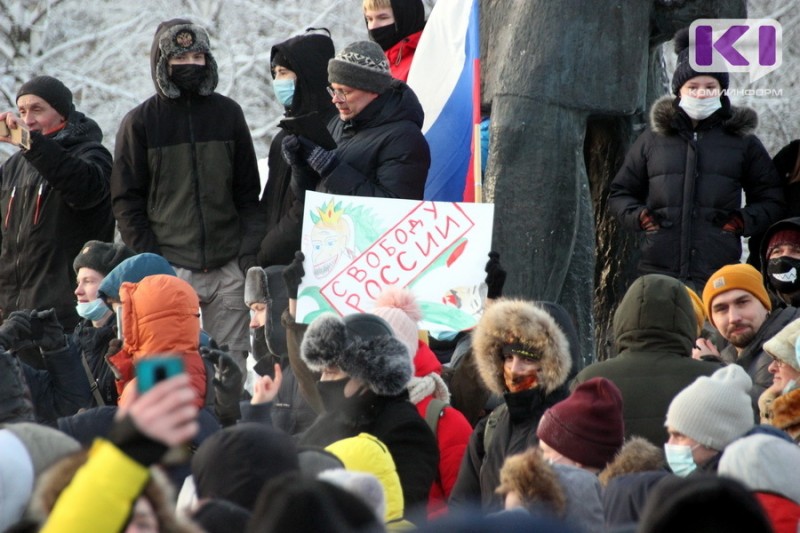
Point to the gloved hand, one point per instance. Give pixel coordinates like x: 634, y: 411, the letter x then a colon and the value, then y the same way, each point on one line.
x: 227, y: 381
x: 114, y: 346
x: 735, y: 224
x: 322, y: 161
x: 303, y: 179
x: 293, y: 274
x: 495, y: 276
x: 246, y: 262
x: 292, y: 151
x: 52, y: 334
x: 647, y: 221
x: 15, y: 330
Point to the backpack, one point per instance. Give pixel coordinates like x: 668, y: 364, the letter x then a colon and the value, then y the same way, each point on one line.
x: 434, y: 412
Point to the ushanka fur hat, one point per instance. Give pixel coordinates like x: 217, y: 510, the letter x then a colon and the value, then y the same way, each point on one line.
x: 180, y: 36
x: 362, y: 345
x: 517, y: 322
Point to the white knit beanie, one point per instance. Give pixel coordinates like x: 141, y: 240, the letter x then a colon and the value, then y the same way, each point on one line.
x: 714, y: 410
x: 783, y: 346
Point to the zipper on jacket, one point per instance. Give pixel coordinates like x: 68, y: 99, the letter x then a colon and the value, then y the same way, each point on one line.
x: 196, y: 179
x: 10, y: 205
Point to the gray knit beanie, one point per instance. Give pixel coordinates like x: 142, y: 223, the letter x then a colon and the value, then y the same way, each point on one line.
x: 361, y: 65
x: 101, y: 256
x: 714, y: 410
x: 783, y: 345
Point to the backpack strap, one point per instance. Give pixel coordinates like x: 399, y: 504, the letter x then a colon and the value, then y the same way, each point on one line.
x: 491, y: 424
x: 434, y: 412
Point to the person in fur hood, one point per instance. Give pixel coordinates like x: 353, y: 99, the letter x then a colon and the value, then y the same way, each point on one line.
x: 522, y: 354
x: 682, y: 180
x: 364, y: 373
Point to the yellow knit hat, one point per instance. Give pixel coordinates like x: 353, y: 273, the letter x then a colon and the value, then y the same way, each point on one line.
x: 699, y: 311
x: 739, y: 276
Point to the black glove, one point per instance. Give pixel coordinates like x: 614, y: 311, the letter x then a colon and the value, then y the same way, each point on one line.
x: 246, y: 262
x: 495, y: 276
x: 15, y: 330
x: 293, y: 274
x: 303, y: 179
x: 227, y: 383
x: 292, y: 151
x: 52, y: 334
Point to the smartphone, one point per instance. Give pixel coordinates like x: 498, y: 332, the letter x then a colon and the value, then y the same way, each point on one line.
x: 19, y: 136
x: 156, y: 368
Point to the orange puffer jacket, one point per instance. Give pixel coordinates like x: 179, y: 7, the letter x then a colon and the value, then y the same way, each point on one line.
x: 160, y: 315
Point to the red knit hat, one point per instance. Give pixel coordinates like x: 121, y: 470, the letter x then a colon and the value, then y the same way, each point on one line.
x: 784, y: 236
x: 587, y: 427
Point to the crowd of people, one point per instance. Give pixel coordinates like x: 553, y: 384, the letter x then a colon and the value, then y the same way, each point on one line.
x: 365, y: 423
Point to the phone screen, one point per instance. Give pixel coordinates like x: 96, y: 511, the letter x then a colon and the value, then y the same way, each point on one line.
x: 120, y: 336
x: 153, y: 369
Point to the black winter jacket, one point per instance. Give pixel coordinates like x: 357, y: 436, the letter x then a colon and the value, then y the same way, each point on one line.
x: 185, y: 180
x: 691, y: 181
x: 93, y: 342
x: 280, y: 212
x: 53, y: 199
x: 381, y: 151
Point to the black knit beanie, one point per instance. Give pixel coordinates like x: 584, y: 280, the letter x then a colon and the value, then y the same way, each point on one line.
x: 51, y: 91
x: 101, y: 256
x: 361, y: 65
x: 683, y: 69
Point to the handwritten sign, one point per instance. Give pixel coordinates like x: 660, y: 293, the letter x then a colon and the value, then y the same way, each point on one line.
x: 356, y: 247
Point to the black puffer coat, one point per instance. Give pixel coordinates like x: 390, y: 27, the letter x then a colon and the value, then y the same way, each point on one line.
x: 280, y: 212
x: 381, y: 151
x: 691, y: 181
x: 53, y: 198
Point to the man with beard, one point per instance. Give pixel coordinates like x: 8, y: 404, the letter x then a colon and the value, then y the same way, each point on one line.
x: 185, y: 181
x: 739, y: 306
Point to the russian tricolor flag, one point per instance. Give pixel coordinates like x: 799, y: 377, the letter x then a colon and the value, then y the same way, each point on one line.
x: 445, y: 75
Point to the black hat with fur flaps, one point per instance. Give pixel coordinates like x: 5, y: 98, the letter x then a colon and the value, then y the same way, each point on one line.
x: 362, y: 345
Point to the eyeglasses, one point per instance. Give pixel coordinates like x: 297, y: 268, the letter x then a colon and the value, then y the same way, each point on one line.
x: 337, y: 93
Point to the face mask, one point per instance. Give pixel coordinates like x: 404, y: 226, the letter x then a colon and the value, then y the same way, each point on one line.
x: 445, y: 336
x: 679, y: 459
x: 520, y: 382
x: 792, y: 385
x: 332, y: 393
x: 699, y: 108
x: 385, y: 36
x: 94, y: 310
x: 782, y: 273
x: 188, y: 78
x: 284, y: 91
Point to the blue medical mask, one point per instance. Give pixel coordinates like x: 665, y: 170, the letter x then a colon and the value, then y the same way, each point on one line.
x: 284, y: 91
x: 680, y: 459
x: 94, y: 310
x: 443, y: 335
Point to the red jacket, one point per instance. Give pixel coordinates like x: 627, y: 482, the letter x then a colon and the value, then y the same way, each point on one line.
x: 452, y: 435
x: 160, y: 314
x: 401, y: 54
x: 783, y: 513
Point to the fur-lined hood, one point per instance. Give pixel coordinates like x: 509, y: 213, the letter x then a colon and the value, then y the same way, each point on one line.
x: 739, y: 121
x: 508, y: 321
x: 363, y: 345
x: 636, y: 455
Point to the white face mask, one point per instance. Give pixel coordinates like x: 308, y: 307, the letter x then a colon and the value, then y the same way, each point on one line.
x: 680, y: 459
x: 699, y: 108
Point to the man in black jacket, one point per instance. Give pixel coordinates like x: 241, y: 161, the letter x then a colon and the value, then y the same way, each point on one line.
x: 185, y: 181
x: 380, y: 151
x: 54, y: 196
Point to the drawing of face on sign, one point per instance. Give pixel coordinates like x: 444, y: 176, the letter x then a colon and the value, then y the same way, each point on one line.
x: 331, y: 239
x: 467, y: 298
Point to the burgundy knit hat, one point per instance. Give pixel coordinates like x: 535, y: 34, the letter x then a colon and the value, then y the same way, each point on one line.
x: 587, y: 427
x: 784, y: 236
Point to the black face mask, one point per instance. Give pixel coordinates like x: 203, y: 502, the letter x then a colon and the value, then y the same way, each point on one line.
x: 332, y: 394
x: 385, y: 36
x: 188, y: 78
x: 784, y: 274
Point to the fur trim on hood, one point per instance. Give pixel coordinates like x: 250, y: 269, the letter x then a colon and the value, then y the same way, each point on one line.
x: 636, y: 455
x: 158, y: 491
x: 509, y: 321
x: 741, y: 121
x: 363, y: 346
x: 535, y: 481
x: 178, y: 36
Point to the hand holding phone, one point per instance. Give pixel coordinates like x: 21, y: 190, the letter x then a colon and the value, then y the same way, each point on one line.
x: 156, y: 368
x: 19, y: 136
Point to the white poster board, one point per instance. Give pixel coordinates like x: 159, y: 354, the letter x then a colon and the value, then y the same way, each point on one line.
x: 355, y: 247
